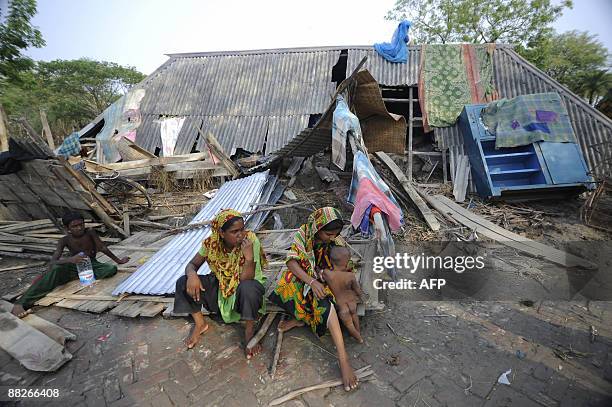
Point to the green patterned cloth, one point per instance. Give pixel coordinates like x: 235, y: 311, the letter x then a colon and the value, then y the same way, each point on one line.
x: 448, y: 85
x: 528, y: 118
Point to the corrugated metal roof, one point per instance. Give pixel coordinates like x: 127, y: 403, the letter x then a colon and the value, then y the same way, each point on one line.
x: 251, y: 98
x: 514, y: 76
x: 159, y: 274
x: 385, y: 72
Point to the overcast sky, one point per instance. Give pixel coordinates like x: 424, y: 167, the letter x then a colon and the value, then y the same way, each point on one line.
x: 139, y: 32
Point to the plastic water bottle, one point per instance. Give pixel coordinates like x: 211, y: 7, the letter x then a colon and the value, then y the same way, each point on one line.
x: 85, y: 269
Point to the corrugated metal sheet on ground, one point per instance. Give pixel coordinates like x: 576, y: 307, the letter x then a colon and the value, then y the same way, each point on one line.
x: 158, y: 275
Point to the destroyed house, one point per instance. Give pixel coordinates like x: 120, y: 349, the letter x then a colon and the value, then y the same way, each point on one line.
x: 262, y: 101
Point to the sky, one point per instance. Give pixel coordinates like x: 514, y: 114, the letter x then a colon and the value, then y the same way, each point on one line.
x: 139, y: 32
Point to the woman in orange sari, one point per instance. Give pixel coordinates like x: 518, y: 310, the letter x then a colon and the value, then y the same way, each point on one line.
x: 300, y: 291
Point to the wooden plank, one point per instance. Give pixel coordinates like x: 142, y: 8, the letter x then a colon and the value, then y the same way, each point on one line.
x: 33, y: 349
x: 152, y: 309
x: 492, y: 231
x: 47, y: 130
x: 414, y: 196
x: 95, y: 306
x: 48, y: 301
x: 30, y: 225
x: 461, y: 178
x: 129, y: 309
x: 23, y: 266
x: 136, y: 248
x: 149, y: 162
x: 70, y: 304
x: 4, y: 145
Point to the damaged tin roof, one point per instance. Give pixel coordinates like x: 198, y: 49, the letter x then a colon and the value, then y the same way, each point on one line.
x: 159, y: 274
x: 261, y: 100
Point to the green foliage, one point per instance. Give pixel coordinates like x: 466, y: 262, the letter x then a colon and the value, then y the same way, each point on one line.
x: 16, y: 35
x: 478, y: 21
x: 605, y: 104
x: 576, y: 59
x: 71, y: 92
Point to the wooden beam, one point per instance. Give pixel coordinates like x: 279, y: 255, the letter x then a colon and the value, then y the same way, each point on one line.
x: 148, y: 162
x: 218, y: 152
x: 410, y: 127
x: 518, y: 242
x: 47, y: 129
x: 126, y: 219
x: 4, y: 146
x: 412, y: 193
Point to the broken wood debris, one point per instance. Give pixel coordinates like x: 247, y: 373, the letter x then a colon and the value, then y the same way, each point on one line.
x: 360, y: 373
x: 262, y: 331
x: 492, y: 231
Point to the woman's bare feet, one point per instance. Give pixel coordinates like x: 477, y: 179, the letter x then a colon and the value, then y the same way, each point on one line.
x: 252, y: 351
x: 286, y: 325
x: 19, y: 311
x: 349, y: 380
x: 249, y: 332
x: 194, y: 338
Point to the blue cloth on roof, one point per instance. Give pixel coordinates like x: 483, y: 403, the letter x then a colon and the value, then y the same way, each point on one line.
x: 71, y: 146
x: 396, y: 50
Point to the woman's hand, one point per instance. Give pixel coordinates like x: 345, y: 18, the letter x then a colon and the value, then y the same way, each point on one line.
x: 318, y: 289
x: 247, y: 249
x: 194, y: 286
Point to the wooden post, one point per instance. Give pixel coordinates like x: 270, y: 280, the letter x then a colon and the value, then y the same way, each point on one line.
x: 3, y: 131
x: 126, y: 219
x: 47, y: 129
x: 410, y: 120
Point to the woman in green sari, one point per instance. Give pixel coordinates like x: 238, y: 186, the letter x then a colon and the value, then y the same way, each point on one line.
x: 234, y: 289
x: 301, y: 292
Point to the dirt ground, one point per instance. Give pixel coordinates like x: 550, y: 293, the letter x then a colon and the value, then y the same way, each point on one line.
x: 424, y: 353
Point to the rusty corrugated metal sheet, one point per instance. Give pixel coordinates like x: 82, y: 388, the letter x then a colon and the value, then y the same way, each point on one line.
x: 159, y: 274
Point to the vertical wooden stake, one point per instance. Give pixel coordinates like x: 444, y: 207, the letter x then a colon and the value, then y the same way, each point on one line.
x: 47, y: 129
x: 3, y: 131
x: 126, y: 220
x: 277, y: 350
x: 410, y: 123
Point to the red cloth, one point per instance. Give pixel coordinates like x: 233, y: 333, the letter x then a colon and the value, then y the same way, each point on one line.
x: 369, y: 194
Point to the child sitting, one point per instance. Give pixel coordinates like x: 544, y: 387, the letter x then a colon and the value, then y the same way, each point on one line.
x: 342, y: 283
x: 81, y: 243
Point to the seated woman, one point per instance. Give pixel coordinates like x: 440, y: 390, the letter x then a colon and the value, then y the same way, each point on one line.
x: 300, y: 292
x: 234, y: 288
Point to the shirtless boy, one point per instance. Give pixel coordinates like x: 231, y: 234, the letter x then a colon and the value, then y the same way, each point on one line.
x: 63, y: 269
x: 344, y: 286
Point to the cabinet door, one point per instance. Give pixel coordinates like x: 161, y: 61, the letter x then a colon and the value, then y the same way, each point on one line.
x: 565, y: 163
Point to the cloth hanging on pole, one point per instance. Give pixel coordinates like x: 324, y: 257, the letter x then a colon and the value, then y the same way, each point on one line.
x: 343, y: 121
x: 170, y: 129
x: 452, y: 76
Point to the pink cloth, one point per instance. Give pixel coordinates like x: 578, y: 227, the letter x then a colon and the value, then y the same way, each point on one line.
x: 369, y: 194
x: 131, y: 135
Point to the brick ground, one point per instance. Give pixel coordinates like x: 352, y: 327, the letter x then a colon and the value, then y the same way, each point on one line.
x: 430, y: 361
